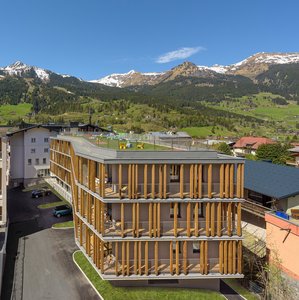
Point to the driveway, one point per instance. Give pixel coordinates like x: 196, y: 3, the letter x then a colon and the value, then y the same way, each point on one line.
x: 39, y: 261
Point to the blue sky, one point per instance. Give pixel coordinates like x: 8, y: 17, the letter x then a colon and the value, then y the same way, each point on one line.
x: 93, y: 38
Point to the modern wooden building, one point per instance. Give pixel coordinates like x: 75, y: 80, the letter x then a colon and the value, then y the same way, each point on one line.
x: 142, y: 217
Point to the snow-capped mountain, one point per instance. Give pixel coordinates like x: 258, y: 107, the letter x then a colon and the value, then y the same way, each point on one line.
x: 249, y: 67
x: 128, y: 79
x: 22, y: 70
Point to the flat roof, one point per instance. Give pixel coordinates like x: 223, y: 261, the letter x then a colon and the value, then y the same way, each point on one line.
x: 84, y: 148
x: 272, y: 180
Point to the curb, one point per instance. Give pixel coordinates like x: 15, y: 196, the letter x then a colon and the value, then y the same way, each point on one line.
x: 62, y: 228
x: 85, y: 275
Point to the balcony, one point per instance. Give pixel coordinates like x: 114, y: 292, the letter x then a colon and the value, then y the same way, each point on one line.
x: 164, y: 267
x: 113, y: 229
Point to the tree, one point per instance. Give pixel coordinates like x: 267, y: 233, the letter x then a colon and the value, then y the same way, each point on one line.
x: 224, y: 148
x: 276, y: 153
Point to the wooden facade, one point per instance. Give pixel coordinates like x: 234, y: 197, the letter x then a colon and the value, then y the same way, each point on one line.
x: 206, y: 204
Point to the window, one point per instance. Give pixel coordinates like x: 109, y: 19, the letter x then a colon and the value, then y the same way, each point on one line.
x: 174, y: 173
x: 172, y: 210
x: 44, y: 161
x: 46, y: 150
x: 37, y: 161
x: 196, y: 247
x: 46, y: 140
x: 32, y: 150
x: 33, y: 140
x: 29, y: 161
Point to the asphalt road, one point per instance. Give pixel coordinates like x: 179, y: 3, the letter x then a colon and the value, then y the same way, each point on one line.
x: 39, y: 261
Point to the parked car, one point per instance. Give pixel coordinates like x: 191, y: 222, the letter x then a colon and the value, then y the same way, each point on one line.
x: 40, y: 193
x: 62, y: 210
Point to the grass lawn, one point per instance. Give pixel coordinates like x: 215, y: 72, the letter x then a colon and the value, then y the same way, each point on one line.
x: 52, y: 204
x: 67, y: 224
x: 12, y: 112
x: 234, y: 284
x: 149, y: 293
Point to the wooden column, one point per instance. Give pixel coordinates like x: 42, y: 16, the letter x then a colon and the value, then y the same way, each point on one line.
x: 226, y: 180
x: 136, y: 182
x: 158, y: 219
x: 229, y: 219
x: 185, y: 249
x: 239, y: 257
x: 219, y: 223
x: 128, y: 258
x: 133, y: 181
x: 134, y: 219
x: 116, y: 258
x: 188, y: 218
x: 175, y: 219
x: 92, y: 175
x: 156, y: 258
x: 191, y: 186
x: 155, y: 219
x: 171, y: 257
x: 103, y: 181
x: 199, y: 182
x: 230, y: 257
x: 202, y: 257
x: 213, y: 219
x: 150, y: 219
x: 130, y: 181
x: 221, y: 257
x: 120, y: 180
x: 177, y: 265
x: 221, y: 181
x: 225, y: 257
x: 137, y: 219
x: 196, y: 219
x: 242, y: 181
x: 231, y: 181
x: 135, y: 257
x: 239, y: 180
x: 206, y: 258
x: 234, y: 268
x: 122, y: 219
x: 153, y: 181
x: 123, y: 258
x: 145, y: 181
x: 146, y: 257
x: 102, y: 257
x: 140, y: 257
x: 182, y: 181
x: 160, y: 181
x: 239, y: 227
x: 208, y: 210
x: 210, y: 166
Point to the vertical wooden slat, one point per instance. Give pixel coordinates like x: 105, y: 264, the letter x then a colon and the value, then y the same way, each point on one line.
x: 159, y: 219
x: 234, y: 257
x: 221, y: 180
x: 229, y: 219
x: 210, y: 166
x: 116, y: 258
x: 171, y: 257
x: 242, y: 181
x: 136, y: 182
x: 182, y: 181
x: 123, y: 258
x: 122, y: 219
x: 208, y: 210
x: 225, y: 257
x: 135, y: 257
x: 202, y: 250
x: 130, y: 181
x: 191, y: 186
x: 219, y: 223
x: 155, y: 219
x: 195, y: 180
x: 133, y: 180
x: 221, y: 257
x: 165, y: 182
x: 231, y: 181
x: 175, y: 219
x: 230, y: 257
x: 240, y: 257
x: 153, y: 181
x: 137, y: 219
x: 238, y: 180
x: 128, y: 258
x: 134, y: 219
x: 199, y: 183
x: 213, y: 218
x: 145, y: 182
x: 140, y: 257
x: 239, y: 227
x: 156, y: 258
x: 196, y: 219
x: 150, y: 219
x: 206, y: 258
x: 146, y: 257
x: 177, y: 266
x: 185, y: 256
x: 102, y: 257
x: 160, y: 181
x: 226, y: 180
x: 188, y: 218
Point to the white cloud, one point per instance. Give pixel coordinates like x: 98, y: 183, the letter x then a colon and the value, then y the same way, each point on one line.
x: 181, y: 53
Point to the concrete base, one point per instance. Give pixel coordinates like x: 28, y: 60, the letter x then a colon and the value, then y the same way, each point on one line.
x: 208, y: 284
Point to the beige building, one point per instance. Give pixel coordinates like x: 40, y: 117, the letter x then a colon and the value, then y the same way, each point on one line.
x: 153, y: 217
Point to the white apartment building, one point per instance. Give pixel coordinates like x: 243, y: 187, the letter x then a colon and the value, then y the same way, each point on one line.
x: 29, y: 152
